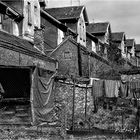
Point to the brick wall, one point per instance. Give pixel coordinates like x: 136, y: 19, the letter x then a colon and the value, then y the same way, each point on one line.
x: 67, y: 56
x: 97, y: 67
x: 50, y: 35
x: 85, y: 64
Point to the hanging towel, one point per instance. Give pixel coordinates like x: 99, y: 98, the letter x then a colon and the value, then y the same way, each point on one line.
x: 117, y: 86
x: 97, y: 88
x: 43, y: 98
x: 124, y: 89
x: 110, y: 88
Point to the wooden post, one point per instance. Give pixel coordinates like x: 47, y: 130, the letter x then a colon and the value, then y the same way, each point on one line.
x: 32, y: 76
x: 73, y: 107
x: 86, y: 104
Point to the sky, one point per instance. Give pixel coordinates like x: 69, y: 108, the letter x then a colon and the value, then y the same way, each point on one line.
x: 123, y: 15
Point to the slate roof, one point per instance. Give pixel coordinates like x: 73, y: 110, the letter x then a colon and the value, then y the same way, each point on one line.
x: 117, y: 36
x: 63, y: 13
x: 129, y: 42
x: 18, y: 44
x: 100, y: 27
x: 137, y: 47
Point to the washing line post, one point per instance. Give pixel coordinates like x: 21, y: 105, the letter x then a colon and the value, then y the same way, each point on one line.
x: 86, y: 104
x: 73, y: 107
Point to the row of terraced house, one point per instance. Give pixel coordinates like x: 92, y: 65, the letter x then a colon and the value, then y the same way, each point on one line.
x: 57, y: 39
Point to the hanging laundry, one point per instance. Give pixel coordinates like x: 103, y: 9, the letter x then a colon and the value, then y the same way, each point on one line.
x: 110, y: 86
x: 97, y: 88
x: 117, y: 86
x: 124, y: 89
x: 95, y: 106
x: 97, y: 91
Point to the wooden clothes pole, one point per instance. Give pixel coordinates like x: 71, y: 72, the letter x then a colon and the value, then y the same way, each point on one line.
x: 73, y: 107
x: 86, y: 103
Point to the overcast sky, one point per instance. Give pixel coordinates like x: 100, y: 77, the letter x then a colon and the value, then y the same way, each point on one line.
x: 123, y: 15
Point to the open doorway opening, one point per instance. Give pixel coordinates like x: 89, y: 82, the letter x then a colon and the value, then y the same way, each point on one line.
x: 15, y: 102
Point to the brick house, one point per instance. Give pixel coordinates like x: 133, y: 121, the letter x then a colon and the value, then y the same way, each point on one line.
x: 90, y: 62
x: 119, y: 38
x: 30, y: 10
x: 9, y: 19
x: 74, y: 17
x: 20, y: 56
x: 102, y: 31
x: 92, y: 42
x: 57, y: 25
x: 130, y: 46
x: 137, y: 54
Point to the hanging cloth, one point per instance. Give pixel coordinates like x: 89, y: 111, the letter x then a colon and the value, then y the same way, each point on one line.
x: 131, y: 89
x: 117, y: 86
x: 97, y: 88
x: 110, y: 86
x: 43, y: 103
x: 124, y: 89
x: 97, y: 91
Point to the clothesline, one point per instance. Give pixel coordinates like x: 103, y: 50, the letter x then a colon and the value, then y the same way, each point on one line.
x: 106, y: 88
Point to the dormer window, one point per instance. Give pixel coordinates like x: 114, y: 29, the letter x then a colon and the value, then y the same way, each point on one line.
x: 29, y: 13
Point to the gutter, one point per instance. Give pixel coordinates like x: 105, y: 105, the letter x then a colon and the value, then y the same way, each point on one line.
x: 92, y: 37
x: 10, y: 12
x: 57, y: 23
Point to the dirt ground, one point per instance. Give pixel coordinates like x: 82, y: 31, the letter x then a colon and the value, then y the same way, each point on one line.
x: 11, y: 132
x: 29, y: 133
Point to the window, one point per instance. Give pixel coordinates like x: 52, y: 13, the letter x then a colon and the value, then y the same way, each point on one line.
x: 84, y: 36
x: 36, y: 15
x: 29, y: 13
x: 93, y: 47
x: 6, y: 24
x: 67, y: 55
x: 0, y: 21
x: 80, y: 31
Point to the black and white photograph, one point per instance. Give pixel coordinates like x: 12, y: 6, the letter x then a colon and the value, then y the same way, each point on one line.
x: 69, y: 69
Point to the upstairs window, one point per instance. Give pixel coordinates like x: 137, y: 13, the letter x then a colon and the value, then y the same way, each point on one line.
x: 6, y: 24
x: 84, y: 34
x: 0, y: 21
x: 29, y: 13
x: 93, y: 47
x: 80, y: 31
x: 36, y: 15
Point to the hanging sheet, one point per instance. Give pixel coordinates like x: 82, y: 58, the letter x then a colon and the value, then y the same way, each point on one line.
x: 97, y: 91
x: 43, y: 103
x: 124, y: 89
x: 111, y: 88
x: 134, y: 89
x: 97, y: 88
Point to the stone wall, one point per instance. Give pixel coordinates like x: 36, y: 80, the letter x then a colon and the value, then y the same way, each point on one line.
x: 9, y: 57
x: 97, y: 67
